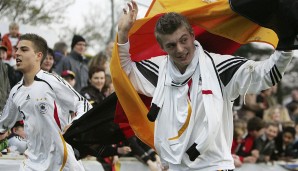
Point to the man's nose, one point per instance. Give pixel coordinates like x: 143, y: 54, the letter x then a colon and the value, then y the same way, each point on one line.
x: 17, y: 53
x: 179, y: 47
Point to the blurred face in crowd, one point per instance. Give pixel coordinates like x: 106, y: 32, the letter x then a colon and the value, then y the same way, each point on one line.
x: 275, y: 115
x: 80, y: 47
x: 271, y: 132
x: 3, y: 54
x: 98, y: 80
x: 180, y: 47
x: 287, y: 138
x: 47, y: 63
x: 26, y: 57
x: 13, y: 31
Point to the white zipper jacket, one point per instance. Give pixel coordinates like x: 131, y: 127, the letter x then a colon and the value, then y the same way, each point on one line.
x: 209, y: 128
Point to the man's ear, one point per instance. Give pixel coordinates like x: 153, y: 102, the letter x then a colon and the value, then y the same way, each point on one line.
x: 40, y: 55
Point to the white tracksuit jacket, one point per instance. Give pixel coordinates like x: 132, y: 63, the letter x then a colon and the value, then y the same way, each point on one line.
x: 235, y: 76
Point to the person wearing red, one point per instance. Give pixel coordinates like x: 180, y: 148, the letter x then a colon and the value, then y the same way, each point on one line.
x: 255, y: 128
x: 11, y: 39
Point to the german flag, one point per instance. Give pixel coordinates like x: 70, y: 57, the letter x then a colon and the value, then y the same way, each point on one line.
x: 217, y: 27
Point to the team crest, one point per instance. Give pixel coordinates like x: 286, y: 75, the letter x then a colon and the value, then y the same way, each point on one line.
x: 42, y: 107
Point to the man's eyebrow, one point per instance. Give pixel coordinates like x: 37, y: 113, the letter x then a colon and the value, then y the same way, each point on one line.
x: 171, y: 43
x: 22, y: 47
x: 184, y: 35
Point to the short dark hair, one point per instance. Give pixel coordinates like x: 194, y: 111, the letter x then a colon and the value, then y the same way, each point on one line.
x: 169, y: 23
x: 39, y: 43
x: 95, y: 70
x: 255, y: 124
x: 290, y: 130
x: 51, y: 52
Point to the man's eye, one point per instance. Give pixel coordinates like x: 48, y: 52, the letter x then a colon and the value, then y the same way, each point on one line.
x: 184, y: 40
x: 170, y: 46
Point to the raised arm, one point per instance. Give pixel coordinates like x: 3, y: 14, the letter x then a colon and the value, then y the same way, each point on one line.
x: 126, y: 21
x: 143, y: 75
x: 241, y: 76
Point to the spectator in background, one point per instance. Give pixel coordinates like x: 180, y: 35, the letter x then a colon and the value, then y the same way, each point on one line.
x: 60, y: 51
x: 13, y: 75
x: 266, y: 99
x: 69, y: 76
x: 278, y: 114
x: 264, y: 146
x: 257, y: 104
x: 17, y: 138
x: 93, y: 92
x: 76, y: 62
x: 238, y: 136
x: 48, y: 62
x: 10, y: 40
x: 4, y: 75
x: 255, y: 128
x: 100, y: 60
x: 284, y: 145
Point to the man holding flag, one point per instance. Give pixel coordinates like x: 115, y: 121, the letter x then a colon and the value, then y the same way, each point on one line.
x: 192, y: 90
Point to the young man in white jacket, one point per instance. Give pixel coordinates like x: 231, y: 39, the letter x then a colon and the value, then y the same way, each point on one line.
x: 45, y: 102
x: 193, y: 92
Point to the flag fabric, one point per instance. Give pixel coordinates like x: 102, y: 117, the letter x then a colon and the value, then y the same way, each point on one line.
x: 213, y: 20
x: 278, y: 15
x: 216, y: 26
x: 90, y: 134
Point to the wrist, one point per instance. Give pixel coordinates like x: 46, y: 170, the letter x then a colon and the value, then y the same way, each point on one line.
x: 122, y: 37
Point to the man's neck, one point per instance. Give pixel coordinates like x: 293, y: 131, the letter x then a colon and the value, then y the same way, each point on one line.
x: 29, y: 77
